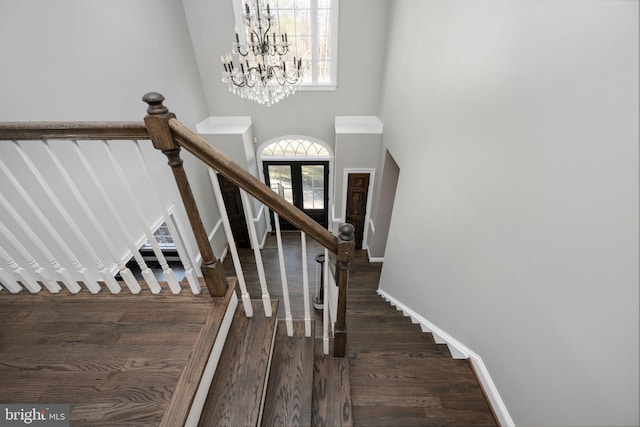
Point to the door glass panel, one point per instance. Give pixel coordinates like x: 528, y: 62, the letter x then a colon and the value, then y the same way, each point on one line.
x: 313, y: 186
x: 280, y: 181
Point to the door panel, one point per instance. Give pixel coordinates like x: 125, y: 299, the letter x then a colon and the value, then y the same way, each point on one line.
x: 357, y: 192
x: 280, y: 180
x: 302, y: 183
x: 235, y: 212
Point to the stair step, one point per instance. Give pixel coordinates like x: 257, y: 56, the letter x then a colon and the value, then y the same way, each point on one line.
x: 331, y: 390
x: 420, y: 387
x: 390, y: 323
x: 430, y: 351
x: 288, y: 401
x: 405, y: 341
x: 236, y: 393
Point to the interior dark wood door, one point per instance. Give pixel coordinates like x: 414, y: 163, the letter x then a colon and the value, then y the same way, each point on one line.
x: 357, y: 191
x: 235, y: 212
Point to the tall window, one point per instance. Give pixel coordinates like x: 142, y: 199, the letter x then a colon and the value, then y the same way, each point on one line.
x: 312, y: 29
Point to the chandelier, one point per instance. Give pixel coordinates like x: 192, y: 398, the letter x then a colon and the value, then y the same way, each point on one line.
x: 263, y: 72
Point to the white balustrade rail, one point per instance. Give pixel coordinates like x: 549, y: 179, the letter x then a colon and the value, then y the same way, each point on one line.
x: 255, y: 244
x: 52, y: 231
x: 246, y: 300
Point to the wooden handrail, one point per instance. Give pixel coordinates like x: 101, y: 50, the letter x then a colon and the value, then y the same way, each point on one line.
x: 25, y: 131
x: 213, y: 157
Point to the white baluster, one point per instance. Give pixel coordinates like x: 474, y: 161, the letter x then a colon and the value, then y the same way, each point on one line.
x: 126, y: 274
x: 191, y: 272
x: 283, y: 278
x: 305, y: 286
x: 184, y: 256
x: 168, y: 272
x: 325, y: 311
x: 93, y: 285
x: 25, y: 277
x: 9, y: 282
x: 266, y: 299
x: 68, y: 280
x: 246, y: 300
x: 48, y: 281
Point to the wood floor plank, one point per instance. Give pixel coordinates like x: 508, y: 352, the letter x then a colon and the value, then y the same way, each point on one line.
x: 77, y: 349
x: 288, y: 400
x: 235, y: 396
x: 331, y: 391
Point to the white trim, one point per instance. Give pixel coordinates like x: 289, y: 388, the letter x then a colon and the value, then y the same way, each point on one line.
x: 210, y: 236
x: 316, y: 87
x: 373, y: 259
x: 264, y: 239
x: 268, y: 142
x: 260, y: 214
x: 331, y: 159
x: 207, y: 377
x: 460, y: 351
x: 345, y: 184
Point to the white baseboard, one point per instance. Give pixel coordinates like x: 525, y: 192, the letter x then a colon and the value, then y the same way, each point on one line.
x: 459, y: 351
x: 374, y: 259
x: 207, y: 377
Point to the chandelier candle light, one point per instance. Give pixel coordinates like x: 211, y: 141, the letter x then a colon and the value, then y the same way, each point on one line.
x: 262, y: 74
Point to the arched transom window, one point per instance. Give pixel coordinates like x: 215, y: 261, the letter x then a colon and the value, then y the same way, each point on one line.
x: 295, y: 148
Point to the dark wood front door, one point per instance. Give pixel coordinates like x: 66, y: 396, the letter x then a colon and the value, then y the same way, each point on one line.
x: 357, y: 191
x: 235, y: 212
x: 304, y: 184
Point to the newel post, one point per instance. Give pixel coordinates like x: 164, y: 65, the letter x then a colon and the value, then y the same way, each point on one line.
x: 157, y: 122
x: 346, y: 248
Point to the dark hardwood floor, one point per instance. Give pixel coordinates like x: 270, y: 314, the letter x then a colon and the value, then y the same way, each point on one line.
x: 398, y: 375
x: 115, y: 359
x: 118, y: 358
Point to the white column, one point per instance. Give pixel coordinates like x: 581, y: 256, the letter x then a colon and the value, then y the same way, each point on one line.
x: 68, y: 280
x: 104, y: 274
x: 129, y: 279
x: 305, y: 286
x: 26, y: 278
x: 9, y: 282
x: 246, y: 300
x: 167, y: 271
x: 283, y: 278
x: 50, y: 283
x: 325, y: 310
x: 189, y: 272
x: 266, y: 299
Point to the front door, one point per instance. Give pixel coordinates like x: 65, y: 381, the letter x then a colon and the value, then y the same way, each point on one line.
x: 357, y: 191
x: 305, y: 184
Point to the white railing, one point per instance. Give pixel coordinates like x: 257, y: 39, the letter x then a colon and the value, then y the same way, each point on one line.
x: 72, y: 214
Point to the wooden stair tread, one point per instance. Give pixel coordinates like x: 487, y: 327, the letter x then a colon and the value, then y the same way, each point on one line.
x: 430, y: 351
x: 184, y: 393
x: 332, y: 390
x: 441, y: 388
x: 288, y: 401
x: 383, y: 340
x: 236, y: 393
x: 387, y: 323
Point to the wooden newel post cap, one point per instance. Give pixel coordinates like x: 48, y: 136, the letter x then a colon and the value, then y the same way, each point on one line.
x: 155, y: 100
x: 346, y: 232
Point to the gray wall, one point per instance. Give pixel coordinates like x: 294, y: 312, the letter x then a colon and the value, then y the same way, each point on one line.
x: 306, y: 113
x: 515, y: 227
x: 382, y: 206
x: 92, y: 60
